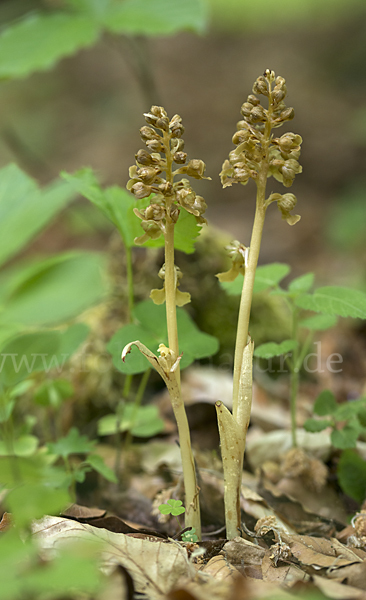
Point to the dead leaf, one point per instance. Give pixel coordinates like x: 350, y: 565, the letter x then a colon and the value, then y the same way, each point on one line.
x: 155, y: 567
x: 336, y: 590
x: 281, y: 574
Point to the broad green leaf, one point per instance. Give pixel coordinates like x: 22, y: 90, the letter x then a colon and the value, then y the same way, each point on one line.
x: 160, y: 17
x: 325, y: 404
x: 349, y: 409
x: 29, y: 469
x: 72, y: 443
x: 266, y: 276
x: 145, y: 422
x: 98, y: 464
x: 351, y: 472
x: 38, y: 41
x: 272, y: 349
x: 117, y: 205
x: 52, y: 290
x: 26, y: 445
x: 344, y: 438
x: 302, y: 284
x: 186, y: 231
x: 319, y: 322
x: 71, y: 340
x: 334, y: 300
x: 25, y: 209
x: 151, y: 331
x: 72, y: 573
x: 32, y: 501
x: 26, y: 354
x: 114, y: 202
x: 93, y: 8
x: 315, y: 425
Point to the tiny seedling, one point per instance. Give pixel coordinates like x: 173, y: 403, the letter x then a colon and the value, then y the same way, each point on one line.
x: 176, y: 508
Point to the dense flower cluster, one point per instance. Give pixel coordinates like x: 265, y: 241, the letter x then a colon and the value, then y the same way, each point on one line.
x: 255, y: 148
x: 163, y: 139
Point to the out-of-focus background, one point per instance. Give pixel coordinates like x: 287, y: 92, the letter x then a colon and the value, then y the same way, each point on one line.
x: 86, y: 110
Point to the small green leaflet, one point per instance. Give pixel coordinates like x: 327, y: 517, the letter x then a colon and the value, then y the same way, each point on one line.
x: 266, y: 276
x: 325, y: 404
x: 272, y: 349
x: 334, y: 300
x: 316, y: 425
x: 172, y: 507
x: 72, y: 443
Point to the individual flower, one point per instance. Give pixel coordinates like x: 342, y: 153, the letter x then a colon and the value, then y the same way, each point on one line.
x: 239, y: 256
x: 285, y: 203
x: 158, y: 295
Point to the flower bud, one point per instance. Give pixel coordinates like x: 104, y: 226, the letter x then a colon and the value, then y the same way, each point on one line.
x: 176, y: 126
x: 287, y: 114
x: 140, y: 190
x: 158, y: 111
x: 258, y: 114
x: 148, y: 174
x: 155, y: 145
x: 166, y: 188
x: 148, y: 133
x: 241, y: 136
x: 260, y: 86
x: 154, y: 212
x: 143, y: 158
x: 253, y: 100
x: 163, y: 124
x: 246, y: 109
x: 180, y: 158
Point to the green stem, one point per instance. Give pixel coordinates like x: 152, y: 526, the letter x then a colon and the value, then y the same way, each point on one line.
x: 247, y: 292
x: 192, y: 514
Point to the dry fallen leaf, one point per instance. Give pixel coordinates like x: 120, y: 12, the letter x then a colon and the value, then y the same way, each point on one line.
x: 155, y: 566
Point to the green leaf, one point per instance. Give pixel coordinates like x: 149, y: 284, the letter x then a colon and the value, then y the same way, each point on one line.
x: 272, y: 349
x: 38, y: 41
x: 315, y: 425
x: 266, y: 276
x: 145, y: 422
x: 25, y: 209
x: 32, y: 501
x: 52, y: 290
x: 72, y: 443
x: 115, y: 203
x: 325, y: 404
x: 352, y: 475
x: 344, y: 438
x: 186, y: 232
x: 151, y: 331
x: 25, y: 445
x: 302, y: 284
x: 350, y: 409
x: 334, y: 300
x: 172, y: 507
x: 190, y: 536
x: 318, y: 322
x: 27, y: 354
x: 161, y: 17
x: 98, y: 464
